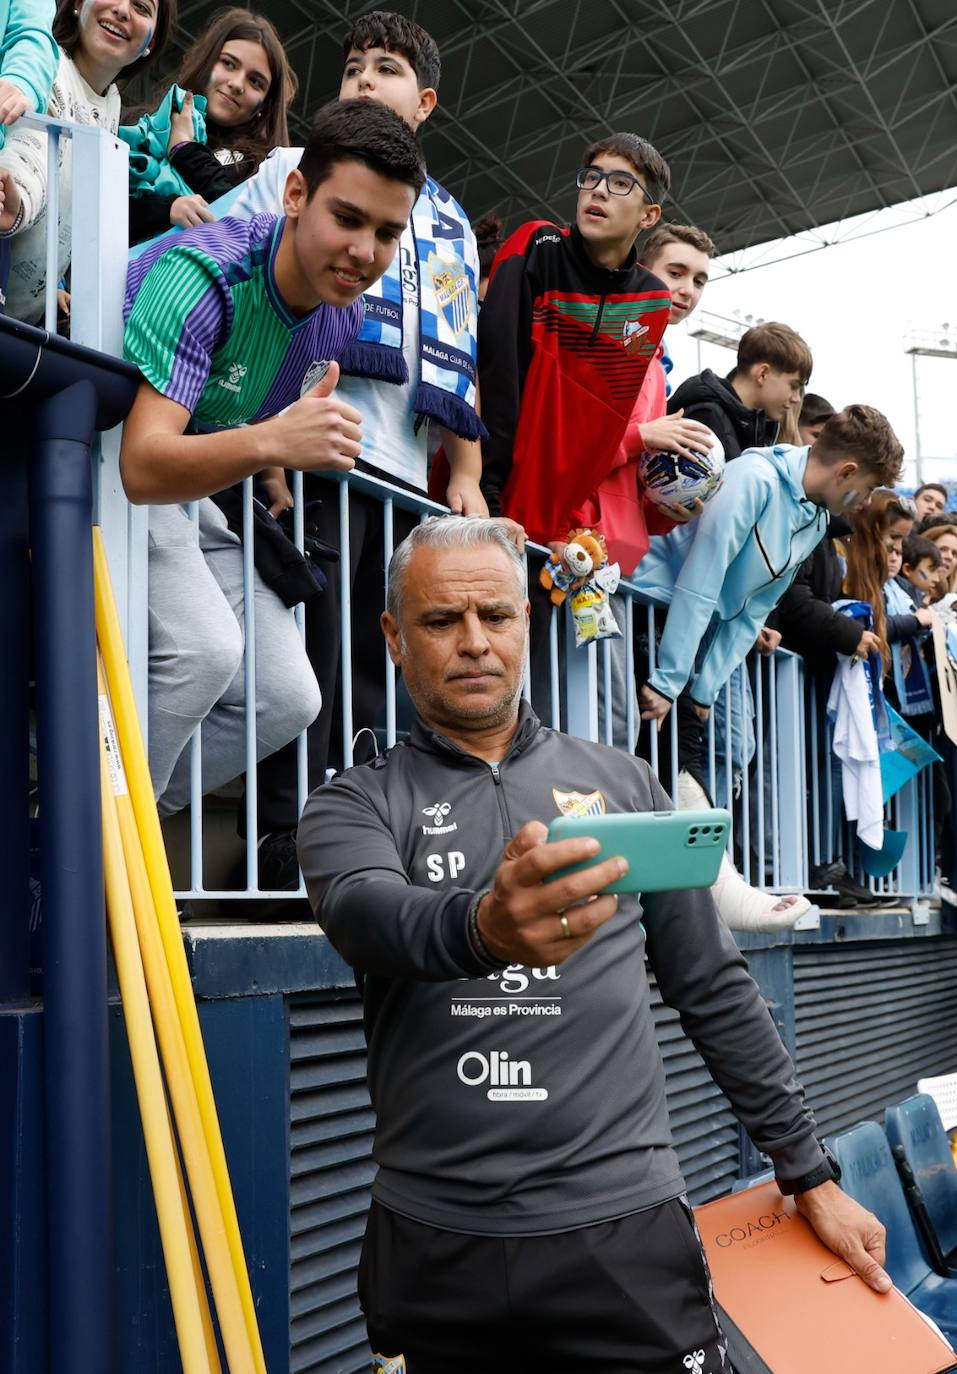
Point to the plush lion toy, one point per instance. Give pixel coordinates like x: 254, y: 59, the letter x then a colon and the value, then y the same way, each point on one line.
x: 585, y: 552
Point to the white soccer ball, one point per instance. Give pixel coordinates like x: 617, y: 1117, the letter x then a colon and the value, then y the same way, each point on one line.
x: 671, y: 479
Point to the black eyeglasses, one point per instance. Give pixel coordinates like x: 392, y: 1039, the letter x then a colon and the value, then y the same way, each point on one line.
x: 618, y: 183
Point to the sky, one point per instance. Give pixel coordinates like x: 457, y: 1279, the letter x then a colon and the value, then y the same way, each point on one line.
x: 846, y: 301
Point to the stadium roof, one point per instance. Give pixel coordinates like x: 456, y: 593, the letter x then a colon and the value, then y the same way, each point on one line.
x: 775, y: 115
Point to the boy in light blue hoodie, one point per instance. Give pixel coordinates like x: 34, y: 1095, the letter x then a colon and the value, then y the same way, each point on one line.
x: 723, y: 575
x: 28, y: 62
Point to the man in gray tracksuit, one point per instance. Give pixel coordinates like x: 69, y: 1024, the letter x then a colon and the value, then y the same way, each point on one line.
x: 528, y: 1209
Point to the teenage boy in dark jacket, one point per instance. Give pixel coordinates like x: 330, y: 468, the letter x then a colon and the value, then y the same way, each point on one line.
x: 569, y: 326
x: 745, y: 408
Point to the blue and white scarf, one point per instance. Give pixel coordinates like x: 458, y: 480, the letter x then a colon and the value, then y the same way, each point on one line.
x: 446, y: 263
x: 910, y: 670
x: 447, y: 270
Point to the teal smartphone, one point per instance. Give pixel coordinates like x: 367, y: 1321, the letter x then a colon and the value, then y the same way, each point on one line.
x: 664, y: 849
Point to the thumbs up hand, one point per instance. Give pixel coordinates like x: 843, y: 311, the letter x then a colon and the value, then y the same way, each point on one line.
x: 320, y: 431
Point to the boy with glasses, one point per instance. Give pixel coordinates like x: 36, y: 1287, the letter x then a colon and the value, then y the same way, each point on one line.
x: 569, y: 327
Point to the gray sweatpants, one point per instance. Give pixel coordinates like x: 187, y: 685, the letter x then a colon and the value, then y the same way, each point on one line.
x: 196, y: 656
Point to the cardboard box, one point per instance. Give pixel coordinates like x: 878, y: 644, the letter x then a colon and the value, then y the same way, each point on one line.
x: 800, y: 1307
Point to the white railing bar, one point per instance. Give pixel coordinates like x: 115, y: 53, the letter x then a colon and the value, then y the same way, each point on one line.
x: 249, y: 679
x: 775, y: 775
x: 196, y: 767
x: 745, y: 778
x: 53, y: 231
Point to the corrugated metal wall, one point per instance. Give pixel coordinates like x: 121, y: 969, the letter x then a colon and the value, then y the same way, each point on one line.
x: 704, y: 1128
x: 870, y: 1022
x: 330, y: 1169
x: 330, y: 1175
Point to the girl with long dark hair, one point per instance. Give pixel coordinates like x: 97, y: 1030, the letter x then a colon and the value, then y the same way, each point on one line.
x: 240, y: 68
x: 887, y: 519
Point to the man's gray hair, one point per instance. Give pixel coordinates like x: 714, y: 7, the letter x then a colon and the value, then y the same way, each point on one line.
x: 451, y: 532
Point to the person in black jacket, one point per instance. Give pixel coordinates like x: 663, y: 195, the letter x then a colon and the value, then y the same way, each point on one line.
x: 745, y: 408
x: 241, y: 67
x: 528, y: 1212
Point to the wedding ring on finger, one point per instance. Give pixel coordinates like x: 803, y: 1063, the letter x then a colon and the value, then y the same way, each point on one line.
x: 566, y: 928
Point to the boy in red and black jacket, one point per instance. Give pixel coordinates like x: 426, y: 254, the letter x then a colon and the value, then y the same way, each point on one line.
x: 568, y: 328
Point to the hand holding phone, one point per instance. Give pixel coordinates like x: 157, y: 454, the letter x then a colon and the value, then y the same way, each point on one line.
x: 528, y: 919
x: 665, y: 850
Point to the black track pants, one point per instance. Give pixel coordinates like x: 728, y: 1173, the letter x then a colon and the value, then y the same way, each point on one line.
x: 630, y: 1296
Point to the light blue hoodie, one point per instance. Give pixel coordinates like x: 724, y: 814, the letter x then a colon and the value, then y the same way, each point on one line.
x: 733, y: 564
x: 28, y: 53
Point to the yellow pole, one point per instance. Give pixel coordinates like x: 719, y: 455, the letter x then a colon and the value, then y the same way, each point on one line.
x: 199, y: 1281
x: 110, y: 638
x: 179, y: 1081
x: 160, y: 1146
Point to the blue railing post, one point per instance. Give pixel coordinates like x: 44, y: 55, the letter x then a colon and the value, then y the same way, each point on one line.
x: 81, y: 1269
x: 909, y: 819
x: 788, y: 703
x: 14, y: 734
x: 581, y: 684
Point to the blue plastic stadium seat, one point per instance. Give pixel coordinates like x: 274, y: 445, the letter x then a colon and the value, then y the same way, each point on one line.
x: 753, y: 1180
x: 870, y: 1176
x: 915, y: 1125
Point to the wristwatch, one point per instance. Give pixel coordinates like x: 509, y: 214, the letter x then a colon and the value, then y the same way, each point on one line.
x: 828, y: 1171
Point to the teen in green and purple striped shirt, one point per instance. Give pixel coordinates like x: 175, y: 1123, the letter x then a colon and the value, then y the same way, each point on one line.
x: 231, y: 323
x: 226, y: 320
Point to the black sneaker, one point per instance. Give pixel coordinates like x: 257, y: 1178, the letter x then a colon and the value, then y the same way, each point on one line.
x: 860, y: 895
x: 278, y: 864
x: 827, y: 875
x: 825, y: 886
x: 278, y: 872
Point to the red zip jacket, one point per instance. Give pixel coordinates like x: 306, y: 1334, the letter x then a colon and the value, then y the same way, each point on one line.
x: 564, y: 346
x: 619, y: 508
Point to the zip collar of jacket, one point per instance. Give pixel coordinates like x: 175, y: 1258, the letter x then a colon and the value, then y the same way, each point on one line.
x: 607, y: 279
x: 708, y: 386
x: 747, y: 413
x: 423, y: 737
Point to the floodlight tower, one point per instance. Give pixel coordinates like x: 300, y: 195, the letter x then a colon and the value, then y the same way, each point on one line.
x: 723, y: 330
x: 926, y: 343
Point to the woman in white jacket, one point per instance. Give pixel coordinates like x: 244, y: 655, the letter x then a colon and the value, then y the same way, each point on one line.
x: 99, y: 40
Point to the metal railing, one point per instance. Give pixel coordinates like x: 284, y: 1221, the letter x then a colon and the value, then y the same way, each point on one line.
x: 786, y: 812
x: 767, y: 747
